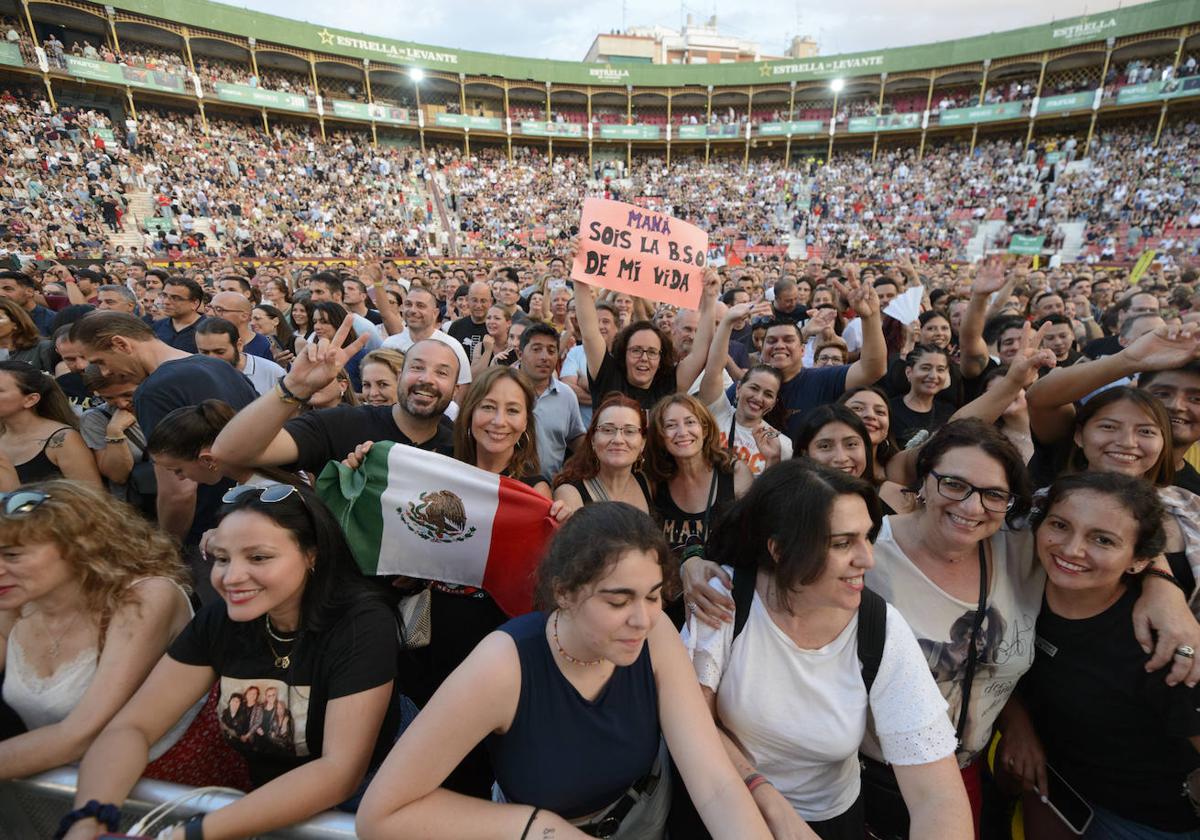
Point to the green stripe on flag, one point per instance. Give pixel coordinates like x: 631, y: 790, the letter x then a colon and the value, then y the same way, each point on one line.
x: 355, y: 503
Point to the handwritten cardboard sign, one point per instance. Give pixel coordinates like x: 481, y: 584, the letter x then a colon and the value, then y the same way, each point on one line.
x: 636, y: 250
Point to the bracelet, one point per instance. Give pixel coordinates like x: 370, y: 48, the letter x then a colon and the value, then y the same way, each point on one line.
x: 193, y: 829
x: 106, y: 814
x: 529, y: 824
x: 694, y: 550
x: 1159, y: 573
x: 114, y: 439
x: 285, y: 393
x: 754, y: 780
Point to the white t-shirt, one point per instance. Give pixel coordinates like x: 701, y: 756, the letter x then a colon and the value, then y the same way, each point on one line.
x: 942, y: 624
x: 261, y: 372
x: 801, y: 715
x: 744, y: 445
x: 402, y: 341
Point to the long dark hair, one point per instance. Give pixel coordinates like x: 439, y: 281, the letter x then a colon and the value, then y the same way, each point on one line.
x: 284, y: 333
x: 820, y: 417
x: 789, y: 505
x: 887, y: 447
x: 52, y: 402
x: 1163, y: 471
x: 336, y: 582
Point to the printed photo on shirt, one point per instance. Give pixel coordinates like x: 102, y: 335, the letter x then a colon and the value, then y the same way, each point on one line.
x: 264, y: 715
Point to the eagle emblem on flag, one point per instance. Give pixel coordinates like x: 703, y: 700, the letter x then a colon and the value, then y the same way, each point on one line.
x: 437, y: 516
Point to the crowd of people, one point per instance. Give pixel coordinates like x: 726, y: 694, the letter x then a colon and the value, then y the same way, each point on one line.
x: 221, y: 185
x: 946, y: 513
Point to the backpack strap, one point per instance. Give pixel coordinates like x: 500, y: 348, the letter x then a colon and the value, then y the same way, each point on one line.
x: 872, y: 631
x: 744, y: 579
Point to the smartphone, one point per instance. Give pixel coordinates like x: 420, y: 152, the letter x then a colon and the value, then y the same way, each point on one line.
x: 1066, y: 802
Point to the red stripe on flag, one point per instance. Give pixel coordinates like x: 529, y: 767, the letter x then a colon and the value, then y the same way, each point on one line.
x: 520, y: 532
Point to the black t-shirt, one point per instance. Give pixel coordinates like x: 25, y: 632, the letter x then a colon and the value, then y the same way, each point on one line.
x: 906, y: 422
x: 184, y: 382
x: 1117, y: 734
x: 72, y: 385
x: 1188, y: 478
x: 1109, y: 345
x: 359, y: 652
x: 330, y: 434
x: 895, y: 383
x: 467, y: 333
x: 189, y: 381
x: 610, y: 378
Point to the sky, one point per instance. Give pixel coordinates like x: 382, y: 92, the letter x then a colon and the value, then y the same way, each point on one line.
x: 553, y: 29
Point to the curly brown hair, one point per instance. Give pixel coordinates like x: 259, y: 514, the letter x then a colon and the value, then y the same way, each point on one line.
x: 109, y: 544
x: 660, y: 464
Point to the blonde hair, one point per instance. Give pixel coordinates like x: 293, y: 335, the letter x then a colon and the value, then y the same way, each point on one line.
x: 109, y: 545
x: 393, y: 360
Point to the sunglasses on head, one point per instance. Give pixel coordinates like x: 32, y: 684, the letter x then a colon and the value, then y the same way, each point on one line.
x: 270, y: 494
x: 20, y: 502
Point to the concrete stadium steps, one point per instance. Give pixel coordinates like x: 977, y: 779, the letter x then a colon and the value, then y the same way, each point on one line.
x: 1072, y: 246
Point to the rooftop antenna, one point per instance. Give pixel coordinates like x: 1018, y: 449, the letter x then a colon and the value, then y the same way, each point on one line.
x: 624, y: 10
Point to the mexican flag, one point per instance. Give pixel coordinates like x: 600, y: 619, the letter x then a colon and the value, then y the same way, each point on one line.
x: 409, y: 512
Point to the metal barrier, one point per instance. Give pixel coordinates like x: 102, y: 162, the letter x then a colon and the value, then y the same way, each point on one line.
x: 31, y: 808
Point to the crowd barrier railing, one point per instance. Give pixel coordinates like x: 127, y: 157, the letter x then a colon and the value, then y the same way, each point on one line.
x: 32, y: 808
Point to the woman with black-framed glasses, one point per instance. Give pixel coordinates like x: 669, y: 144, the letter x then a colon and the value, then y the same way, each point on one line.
x: 962, y: 572
x: 298, y: 623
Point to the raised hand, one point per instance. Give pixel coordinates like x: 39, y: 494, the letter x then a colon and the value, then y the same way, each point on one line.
x: 767, y: 440
x: 712, y: 286
x: 738, y: 311
x: 820, y: 322
x: 372, y: 273
x: 1167, y: 347
x: 860, y: 297
x: 990, y: 276
x: 319, y: 362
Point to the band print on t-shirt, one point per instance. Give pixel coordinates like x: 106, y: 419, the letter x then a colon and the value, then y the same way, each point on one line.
x: 264, y: 716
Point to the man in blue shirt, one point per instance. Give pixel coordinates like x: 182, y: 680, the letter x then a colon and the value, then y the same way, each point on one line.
x: 182, y: 299
x: 22, y: 289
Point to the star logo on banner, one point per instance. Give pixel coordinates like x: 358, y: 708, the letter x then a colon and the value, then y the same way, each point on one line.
x: 326, y: 36
x: 765, y: 71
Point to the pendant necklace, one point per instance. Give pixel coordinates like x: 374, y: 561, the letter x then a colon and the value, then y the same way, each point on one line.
x: 281, y: 662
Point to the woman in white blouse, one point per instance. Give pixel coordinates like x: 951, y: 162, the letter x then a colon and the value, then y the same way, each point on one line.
x: 788, y: 691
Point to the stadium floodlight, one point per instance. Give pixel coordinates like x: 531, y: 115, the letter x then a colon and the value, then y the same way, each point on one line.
x: 416, y: 74
x: 837, y: 85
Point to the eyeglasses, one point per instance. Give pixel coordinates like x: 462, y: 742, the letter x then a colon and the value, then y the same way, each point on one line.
x: 222, y: 312
x: 957, y: 490
x: 270, y: 494
x: 610, y: 431
x: 651, y: 353
x: 21, y: 502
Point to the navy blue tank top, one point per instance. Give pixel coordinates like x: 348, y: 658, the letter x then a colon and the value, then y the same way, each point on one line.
x: 567, y: 754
